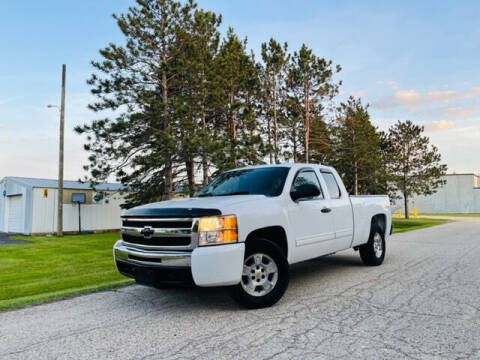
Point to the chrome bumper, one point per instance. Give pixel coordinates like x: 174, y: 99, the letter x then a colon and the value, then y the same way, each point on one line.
x: 158, y: 259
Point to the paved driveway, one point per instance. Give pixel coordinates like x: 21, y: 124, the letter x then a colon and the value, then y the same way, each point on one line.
x: 423, y: 303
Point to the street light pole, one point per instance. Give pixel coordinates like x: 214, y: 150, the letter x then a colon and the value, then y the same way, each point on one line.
x: 60, y: 156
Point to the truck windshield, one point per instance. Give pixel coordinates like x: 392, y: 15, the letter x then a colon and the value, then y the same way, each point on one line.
x: 268, y: 181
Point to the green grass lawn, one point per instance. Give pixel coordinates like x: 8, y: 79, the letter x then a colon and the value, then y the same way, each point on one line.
x: 402, y: 225
x: 51, y: 268
x: 453, y: 214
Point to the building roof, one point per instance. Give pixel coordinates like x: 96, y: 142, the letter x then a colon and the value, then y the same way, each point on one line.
x: 67, y: 184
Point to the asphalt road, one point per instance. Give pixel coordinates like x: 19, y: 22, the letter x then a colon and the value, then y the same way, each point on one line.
x: 422, y: 303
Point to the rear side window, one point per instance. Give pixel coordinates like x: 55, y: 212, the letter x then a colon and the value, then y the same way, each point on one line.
x: 332, y: 185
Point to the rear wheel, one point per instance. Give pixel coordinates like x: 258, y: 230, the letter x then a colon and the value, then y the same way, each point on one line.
x: 264, y: 276
x: 373, y: 252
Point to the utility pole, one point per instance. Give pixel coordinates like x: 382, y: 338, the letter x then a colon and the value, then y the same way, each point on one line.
x: 60, y: 157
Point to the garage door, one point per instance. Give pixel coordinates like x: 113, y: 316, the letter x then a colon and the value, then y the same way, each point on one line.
x: 15, y: 214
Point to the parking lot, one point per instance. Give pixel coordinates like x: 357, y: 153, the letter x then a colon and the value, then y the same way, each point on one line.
x: 422, y: 303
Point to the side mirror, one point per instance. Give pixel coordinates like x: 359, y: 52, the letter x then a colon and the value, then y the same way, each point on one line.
x: 305, y: 191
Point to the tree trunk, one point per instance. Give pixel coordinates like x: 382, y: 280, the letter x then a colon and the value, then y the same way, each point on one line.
x: 405, y: 192
x: 269, y: 133
x: 405, y: 200
x: 355, y: 164
x: 355, y: 180
x: 233, y: 130
x: 166, y: 126
x: 205, y: 169
x: 294, y: 137
x: 189, y: 166
x: 204, y: 150
x: 269, y: 137
x: 307, y: 124
x: 275, y: 124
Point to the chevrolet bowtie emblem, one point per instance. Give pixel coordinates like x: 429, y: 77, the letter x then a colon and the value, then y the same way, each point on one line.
x: 147, y: 232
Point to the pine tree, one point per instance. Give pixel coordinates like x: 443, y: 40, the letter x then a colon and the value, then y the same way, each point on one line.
x: 201, y: 39
x: 293, y: 128
x: 179, y: 101
x: 321, y: 151
x: 356, y: 151
x: 385, y: 183
x: 136, y: 82
x: 275, y: 58
x: 415, y: 166
x: 310, y: 83
x: 237, y: 79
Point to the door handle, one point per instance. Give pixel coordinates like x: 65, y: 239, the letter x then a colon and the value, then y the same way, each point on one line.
x: 326, y: 210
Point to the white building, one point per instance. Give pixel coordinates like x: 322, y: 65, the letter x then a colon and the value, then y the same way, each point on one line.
x: 460, y: 194
x: 29, y: 206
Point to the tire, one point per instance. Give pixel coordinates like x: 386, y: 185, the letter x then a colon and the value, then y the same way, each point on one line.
x: 264, y: 277
x: 371, y: 253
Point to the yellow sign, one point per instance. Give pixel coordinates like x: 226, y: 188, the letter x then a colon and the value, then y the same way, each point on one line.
x: 45, y: 193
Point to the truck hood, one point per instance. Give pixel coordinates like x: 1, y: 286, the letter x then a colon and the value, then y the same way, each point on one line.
x: 191, y: 207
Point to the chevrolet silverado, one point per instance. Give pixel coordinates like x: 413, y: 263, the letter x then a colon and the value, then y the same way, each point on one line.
x: 247, y: 226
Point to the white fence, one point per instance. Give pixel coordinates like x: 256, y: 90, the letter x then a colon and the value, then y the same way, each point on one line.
x: 101, y: 216
x: 93, y: 217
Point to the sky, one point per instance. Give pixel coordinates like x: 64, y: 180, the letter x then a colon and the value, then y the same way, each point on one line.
x: 417, y: 60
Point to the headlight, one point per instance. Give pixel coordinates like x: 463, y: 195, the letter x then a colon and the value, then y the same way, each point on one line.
x: 214, y: 230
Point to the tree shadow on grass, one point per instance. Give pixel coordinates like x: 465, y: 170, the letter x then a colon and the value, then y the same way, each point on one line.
x: 6, y: 240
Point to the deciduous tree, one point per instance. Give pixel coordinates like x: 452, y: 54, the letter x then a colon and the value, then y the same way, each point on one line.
x: 415, y: 166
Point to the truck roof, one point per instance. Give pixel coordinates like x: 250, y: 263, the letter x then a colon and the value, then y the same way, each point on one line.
x: 290, y: 165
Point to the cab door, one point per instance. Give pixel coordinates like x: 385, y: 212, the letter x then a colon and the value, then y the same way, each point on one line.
x: 310, y: 218
x: 341, y: 211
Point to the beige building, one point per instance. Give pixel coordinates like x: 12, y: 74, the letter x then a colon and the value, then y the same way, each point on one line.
x: 460, y: 194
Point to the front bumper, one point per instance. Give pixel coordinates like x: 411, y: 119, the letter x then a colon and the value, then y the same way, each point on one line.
x: 217, y: 265
x: 142, y: 257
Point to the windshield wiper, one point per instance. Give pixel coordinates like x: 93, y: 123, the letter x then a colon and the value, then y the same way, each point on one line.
x: 226, y: 194
x: 235, y: 193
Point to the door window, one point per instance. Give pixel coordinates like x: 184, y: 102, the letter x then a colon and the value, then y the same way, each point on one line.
x: 307, y: 177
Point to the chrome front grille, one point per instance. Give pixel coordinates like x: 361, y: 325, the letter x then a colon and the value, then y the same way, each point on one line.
x: 158, y: 233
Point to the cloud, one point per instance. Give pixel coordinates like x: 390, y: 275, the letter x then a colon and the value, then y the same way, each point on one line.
x: 414, y: 99
x: 393, y: 84
x: 359, y: 93
x: 455, y: 112
x: 439, y: 125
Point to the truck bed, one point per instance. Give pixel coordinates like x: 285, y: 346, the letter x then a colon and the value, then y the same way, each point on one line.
x: 364, y: 207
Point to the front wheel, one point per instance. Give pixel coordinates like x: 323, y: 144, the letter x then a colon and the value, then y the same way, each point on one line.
x: 373, y: 252
x: 264, y: 276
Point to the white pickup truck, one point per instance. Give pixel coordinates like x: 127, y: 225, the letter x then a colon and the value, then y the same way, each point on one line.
x: 247, y: 226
